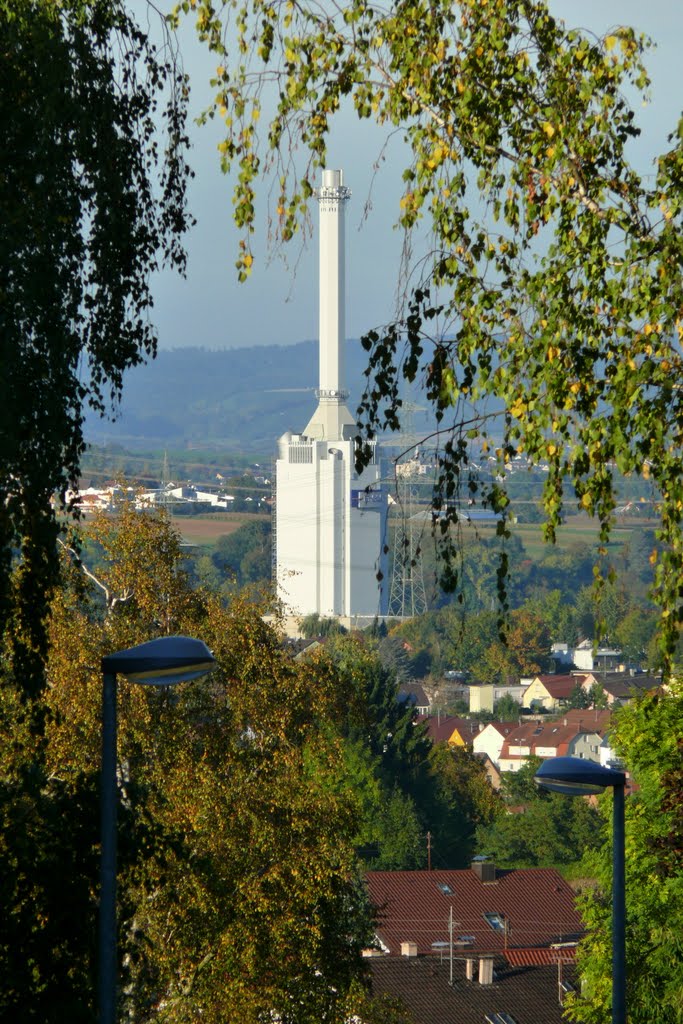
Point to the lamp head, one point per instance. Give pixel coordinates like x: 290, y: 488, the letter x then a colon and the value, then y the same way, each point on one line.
x: 161, y: 662
x: 575, y: 777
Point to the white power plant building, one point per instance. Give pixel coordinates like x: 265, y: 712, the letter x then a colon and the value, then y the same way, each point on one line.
x: 330, y: 521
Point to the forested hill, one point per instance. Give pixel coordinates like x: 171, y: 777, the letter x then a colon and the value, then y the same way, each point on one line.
x: 239, y: 398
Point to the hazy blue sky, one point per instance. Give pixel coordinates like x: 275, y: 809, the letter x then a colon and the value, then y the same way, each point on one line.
x: 278, y: 305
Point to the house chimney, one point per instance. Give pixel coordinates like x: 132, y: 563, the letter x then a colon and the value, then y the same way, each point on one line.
x: 485, y: 970
x: 409, y: 949
x: 485, y: 870
x: 469, y: 969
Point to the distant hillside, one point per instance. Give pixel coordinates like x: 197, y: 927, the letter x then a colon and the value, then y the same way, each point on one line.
x: 241, y: 398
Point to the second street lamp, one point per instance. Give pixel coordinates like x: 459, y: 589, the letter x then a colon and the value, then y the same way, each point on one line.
x: 576, y: 777
x: 161, y: 662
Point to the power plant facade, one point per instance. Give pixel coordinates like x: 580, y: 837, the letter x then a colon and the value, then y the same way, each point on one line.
x: 330, y: 521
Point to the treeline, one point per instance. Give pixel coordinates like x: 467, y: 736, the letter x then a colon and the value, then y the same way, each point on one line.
x: 552, y: 598
x: 250, y: 802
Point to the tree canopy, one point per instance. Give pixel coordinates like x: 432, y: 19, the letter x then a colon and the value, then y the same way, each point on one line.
x: 92, y: 201
x: 238, y: 894
x: 550, y: 287
x: 647, y: 736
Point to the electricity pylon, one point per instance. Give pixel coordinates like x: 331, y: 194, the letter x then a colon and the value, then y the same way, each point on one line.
x: 407, y: 596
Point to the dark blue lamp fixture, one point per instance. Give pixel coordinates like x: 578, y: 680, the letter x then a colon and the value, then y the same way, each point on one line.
x: 576, y: 777
x: 161, y: 662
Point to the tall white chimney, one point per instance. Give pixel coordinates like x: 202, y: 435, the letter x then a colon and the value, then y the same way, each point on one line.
x: 332, y: 421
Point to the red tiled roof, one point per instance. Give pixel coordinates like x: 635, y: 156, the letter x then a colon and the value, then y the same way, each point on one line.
x: 557, y: 734
x: 414, y: 906
x: 559, y: 687
x: 423, y: 984
x: 441, y: 728
x: 540, y: 957
x: 543, y: 734
x: 586, y: 720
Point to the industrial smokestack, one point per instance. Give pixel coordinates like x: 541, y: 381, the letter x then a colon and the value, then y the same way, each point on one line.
x: 332, y: 421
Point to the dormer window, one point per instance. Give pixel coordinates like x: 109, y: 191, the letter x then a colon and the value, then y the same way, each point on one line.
x: 496, y: 921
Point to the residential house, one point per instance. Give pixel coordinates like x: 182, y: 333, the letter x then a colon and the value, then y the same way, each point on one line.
x: 451, y: 729
x: 481, y: 910
x: 562, y: 655
x: 484, y: 696
x: 549, y: 693
x: 467, y: 991
x: 591, y: 728
x: 605, y: 659
x: 576, y: 734
x: 620, y: 687
x: 491, y: 738
x: 491, y: 770
x: 413, y: 693
x: 299, y: 648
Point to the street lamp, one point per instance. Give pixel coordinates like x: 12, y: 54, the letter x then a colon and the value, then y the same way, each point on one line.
x: 161, y: 662
x: 575, y: 777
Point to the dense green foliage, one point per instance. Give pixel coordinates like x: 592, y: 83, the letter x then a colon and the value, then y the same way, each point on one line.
x: 232, y: 849
x: 648, y: 739
x: 448, y: 639
x: 92, y: 201
x: 413, y: 796
x: 248, y: 802
x: 535, y: 828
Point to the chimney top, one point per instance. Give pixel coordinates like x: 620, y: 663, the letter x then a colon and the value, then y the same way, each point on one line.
x: 409, y: 949
x: 333, y: 179
x: 484, y: 869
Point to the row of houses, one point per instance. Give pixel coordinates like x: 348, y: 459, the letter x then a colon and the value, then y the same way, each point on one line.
x: 547, y: 693
x: 107, y: 499
x: 506, y: 746
x: 475, y: 946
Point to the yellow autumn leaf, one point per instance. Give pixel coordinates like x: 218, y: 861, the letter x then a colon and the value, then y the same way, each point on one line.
x: 610, y: 42
x: 548, y: 129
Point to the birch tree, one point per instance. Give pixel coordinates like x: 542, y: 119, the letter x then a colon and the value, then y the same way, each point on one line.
x: 543, y: 316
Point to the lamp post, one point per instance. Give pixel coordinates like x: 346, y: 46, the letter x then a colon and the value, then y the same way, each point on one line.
x: 575, y: 777
x: 161, y: 662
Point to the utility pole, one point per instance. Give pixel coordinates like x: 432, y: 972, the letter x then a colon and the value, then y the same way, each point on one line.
x: 450, y: 944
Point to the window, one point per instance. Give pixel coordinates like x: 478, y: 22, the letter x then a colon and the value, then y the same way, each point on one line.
x: 500, y: 1018
x: 444, y: 888
x: 567, y: 986
x: 496, y: 921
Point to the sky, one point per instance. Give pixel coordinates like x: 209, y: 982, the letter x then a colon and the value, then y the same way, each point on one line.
x: 278, y: 304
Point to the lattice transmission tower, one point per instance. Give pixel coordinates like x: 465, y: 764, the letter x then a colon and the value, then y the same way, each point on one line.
x: 407, y: 595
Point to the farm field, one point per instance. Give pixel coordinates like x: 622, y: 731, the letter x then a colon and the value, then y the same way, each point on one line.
x: 205, y: 530
x: 579, y: 529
